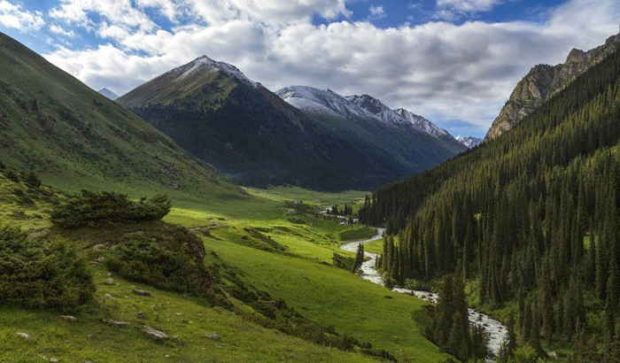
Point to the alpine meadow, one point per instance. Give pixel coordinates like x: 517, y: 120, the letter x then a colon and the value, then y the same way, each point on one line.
x: 310, y: 181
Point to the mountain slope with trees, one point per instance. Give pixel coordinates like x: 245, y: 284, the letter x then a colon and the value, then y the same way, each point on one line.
x: 256, y: 138
x: 532, y: 218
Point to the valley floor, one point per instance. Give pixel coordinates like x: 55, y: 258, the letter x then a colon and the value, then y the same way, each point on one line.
x: 274, y: 243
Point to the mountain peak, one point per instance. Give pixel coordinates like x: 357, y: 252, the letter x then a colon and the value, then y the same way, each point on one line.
x: 108, y: 93
x: 320, y: 101
x: 421, y: 123
x: 469, y: 142
x: 543, y: 81
x: 206, y: 64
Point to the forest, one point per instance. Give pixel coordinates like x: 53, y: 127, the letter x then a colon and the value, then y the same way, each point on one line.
x: 531, y: 219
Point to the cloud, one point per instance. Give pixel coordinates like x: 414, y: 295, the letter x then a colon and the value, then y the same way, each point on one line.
x: 59, y: 30
x: 376, y: 12
x: 455, y: 9
x: 14, y: 16
x: 445, y: 71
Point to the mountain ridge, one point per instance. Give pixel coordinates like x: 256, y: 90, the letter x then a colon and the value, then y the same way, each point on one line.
x: 543, y: 81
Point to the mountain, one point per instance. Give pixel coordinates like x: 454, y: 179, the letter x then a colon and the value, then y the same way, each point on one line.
x: 250, y: 134
x: 399, y: 116
x: 109, y: 94
x: 532, y: 217
x: 422, y: 123
x: 54, y: 125
x: 543, y: 81
x: 469, y: 142
x: 368, y: 123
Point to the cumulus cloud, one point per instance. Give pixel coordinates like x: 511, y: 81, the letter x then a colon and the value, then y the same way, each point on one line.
x: 450, y: 73
x: 14, y: 16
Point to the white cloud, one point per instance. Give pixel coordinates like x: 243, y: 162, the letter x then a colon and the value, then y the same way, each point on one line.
x: 452, y: 9
x: 14, y: 16
x: 376, y: 12
x: 59, y: 30
x: 469, y: 6
x: 118, y: 12
x: 444, y: 71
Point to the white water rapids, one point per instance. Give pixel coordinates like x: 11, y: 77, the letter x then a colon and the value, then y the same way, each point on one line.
x: 496, y: 332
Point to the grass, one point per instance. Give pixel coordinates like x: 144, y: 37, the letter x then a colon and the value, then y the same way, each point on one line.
x: 334, y: 297
x: 359, y: 233
x: 187, y: 320
x: 301, y: 274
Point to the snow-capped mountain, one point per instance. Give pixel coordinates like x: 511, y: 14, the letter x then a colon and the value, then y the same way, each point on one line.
x: 469, y: 142
x: 321, y: 101
x: 422, y: 123
x: 328, y: 102
x: 108, y: 93
x: 377, y: 108
x: 204, y: 64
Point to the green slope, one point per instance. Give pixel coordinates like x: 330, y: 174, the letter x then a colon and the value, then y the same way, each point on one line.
x: 74, y: 137
x: 531, y: 217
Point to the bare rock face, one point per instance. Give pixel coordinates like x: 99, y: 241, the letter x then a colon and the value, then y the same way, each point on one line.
x: 544, y: 81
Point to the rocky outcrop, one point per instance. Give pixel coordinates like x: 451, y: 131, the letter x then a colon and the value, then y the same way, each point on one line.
x: 544, y: 81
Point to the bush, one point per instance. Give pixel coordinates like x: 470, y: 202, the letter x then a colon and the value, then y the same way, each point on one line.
x: 41, y: 274
x: 96, y: 209
x: 170, y: 259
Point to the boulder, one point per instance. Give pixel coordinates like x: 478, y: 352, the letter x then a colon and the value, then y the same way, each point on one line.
x: 141, y: 292
x: 69, y: 318
x: 23, y: 335
x: 154, y: 333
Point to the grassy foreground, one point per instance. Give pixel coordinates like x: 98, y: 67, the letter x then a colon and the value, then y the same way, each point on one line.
x: 278, y: 246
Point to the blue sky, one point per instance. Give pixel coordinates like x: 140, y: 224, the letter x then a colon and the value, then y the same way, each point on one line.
x: 453, y: 61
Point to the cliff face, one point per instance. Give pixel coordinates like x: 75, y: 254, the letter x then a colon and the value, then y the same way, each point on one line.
x: 543, y: 81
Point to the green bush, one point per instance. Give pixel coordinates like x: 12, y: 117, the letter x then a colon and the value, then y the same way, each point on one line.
x: 170, y: 258
x: 41, y: 274
x: 96, y: 209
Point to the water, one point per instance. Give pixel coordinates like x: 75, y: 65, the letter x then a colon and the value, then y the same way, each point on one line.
x: 497, y: 333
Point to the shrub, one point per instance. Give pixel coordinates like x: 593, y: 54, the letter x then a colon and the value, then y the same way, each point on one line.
x: 41, y: 274
x: 32, y: 180
x: 171, y: 259
x: 96, y: 209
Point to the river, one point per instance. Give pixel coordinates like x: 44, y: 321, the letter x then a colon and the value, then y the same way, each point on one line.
x: 497, y: 333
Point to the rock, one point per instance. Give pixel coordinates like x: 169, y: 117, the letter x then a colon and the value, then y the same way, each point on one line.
x: 70, y: 318
x: 544, y: 81
x: 109, y: 281
x: 116, y: 323
x: 213, y: 336
x: 141, y: 292
x: 53, y: 360
x: 23, y: 335
x: 108, y: 297
x: 154, y: 333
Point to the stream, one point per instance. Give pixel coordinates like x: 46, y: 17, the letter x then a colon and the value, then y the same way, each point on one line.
x: 497, y: 333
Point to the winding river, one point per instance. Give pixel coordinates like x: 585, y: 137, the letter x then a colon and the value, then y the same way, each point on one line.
x: 497, y: 333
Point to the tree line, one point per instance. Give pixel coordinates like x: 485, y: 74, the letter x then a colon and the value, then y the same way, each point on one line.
x: 533, y: 217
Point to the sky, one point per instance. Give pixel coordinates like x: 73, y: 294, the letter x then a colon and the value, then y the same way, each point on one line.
x: 452, y: 61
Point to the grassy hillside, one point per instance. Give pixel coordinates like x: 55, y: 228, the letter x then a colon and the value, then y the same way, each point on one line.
x: 270, y: 242
x: 75, y: 138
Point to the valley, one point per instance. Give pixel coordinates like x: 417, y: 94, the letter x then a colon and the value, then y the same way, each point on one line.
x: 201, y: 215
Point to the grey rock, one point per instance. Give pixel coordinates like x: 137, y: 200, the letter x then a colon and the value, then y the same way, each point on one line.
x: 154, y: 333
x: 544, y: 81
x: 23, y: 335
x: 116, y: 323
x: 141, y: 292
x: 213, y: 336
x: 69, y: 318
